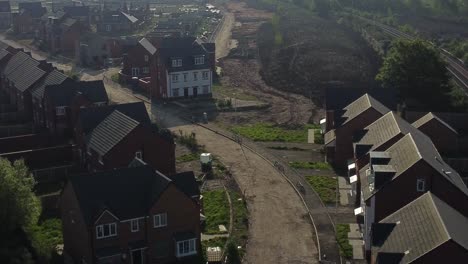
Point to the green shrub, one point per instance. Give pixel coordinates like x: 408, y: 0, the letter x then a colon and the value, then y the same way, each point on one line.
x: 346, y: 250
x: 326, y: 187
x: 188, y: 157
x: 45, y: 237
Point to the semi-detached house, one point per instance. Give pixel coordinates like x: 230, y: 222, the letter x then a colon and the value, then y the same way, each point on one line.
x: 132, y: 215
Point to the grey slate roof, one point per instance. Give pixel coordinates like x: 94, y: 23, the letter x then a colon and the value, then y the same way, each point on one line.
x: 430, y: 116
x: 15, y: 62
x: 384, y: 129
x: 53, y: 78
x: 185, y: 48
x: 3, y: 53
x: 91, y: 117
x: 119, y: 191
x: 130, y: 18
x: 186, y: 182
x: 422, y: 226
x: 110, y: 132
x: 34, y: 8
x: 148, y: 46
x: 62, y: 94
x: 360, y: 105
x: 75, y: 11
x: 409, y: 150
x: 26, y: 75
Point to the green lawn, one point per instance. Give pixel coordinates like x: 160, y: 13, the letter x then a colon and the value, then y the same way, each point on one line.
x: 309, y: 165
x: 346, y: 250
x: 326, y: 187
x: 270, y: 132
x: 216, y: 207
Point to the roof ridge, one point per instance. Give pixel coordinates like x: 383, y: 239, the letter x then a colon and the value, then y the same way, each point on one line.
x: 438, y: 213
x: 410, y: 134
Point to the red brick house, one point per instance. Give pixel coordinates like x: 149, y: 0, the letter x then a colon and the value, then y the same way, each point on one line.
x: 130, y: 215
x: 402, y: 173
x: 62, y: 103
x: 185, y: 68
x: 444, y: 136
x: 61, y: 33
x: 53, y: 78
x: 113, y: 22
x: 28, y: 18
x: 354, y: 117
x: 132, y: 135
x: 137, y: 61
x: 427, y: 230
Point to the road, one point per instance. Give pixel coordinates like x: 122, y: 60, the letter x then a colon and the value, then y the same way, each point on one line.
x: 454, y: 65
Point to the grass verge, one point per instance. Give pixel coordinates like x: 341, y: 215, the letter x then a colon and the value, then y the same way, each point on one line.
x: 309, y: 165
x: 216, y: 208
x: 324, y: 186
x: 188, y: 157
x: 346, y: 250
x: 269, y: 132
x: 241, y: 222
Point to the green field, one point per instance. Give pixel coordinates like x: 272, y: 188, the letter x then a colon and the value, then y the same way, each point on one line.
x: 270, y: 133
x: 326, y: 187
x: 216, y: 207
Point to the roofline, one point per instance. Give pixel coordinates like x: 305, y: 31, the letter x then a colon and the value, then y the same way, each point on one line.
x: 102, y: 213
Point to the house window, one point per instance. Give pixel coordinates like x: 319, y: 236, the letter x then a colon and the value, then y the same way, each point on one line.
x: 175, y: 92
x: 145, y: 70
x: 139, y: 154
x: 135, y: 71
x: 146, y: 58
x: 160, y: 220
x: 100, y: 160
x: 185, y: 77
x: 186, y: 248
x: 106, y: 230
x: 175, y: 78
x: 60, y: 111
x: 195, y: 76
x: 108, y: 28
x: 206, y: 89
x: 199, y: 60
x: 176, y: 62
x: 134, y: 225
x: 421, y: 185
x: 205, y: 75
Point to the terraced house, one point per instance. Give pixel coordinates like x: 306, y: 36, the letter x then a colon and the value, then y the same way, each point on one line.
x: 131, y: 215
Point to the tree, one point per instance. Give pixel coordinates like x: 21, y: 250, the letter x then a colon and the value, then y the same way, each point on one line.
x: 416, y: 69
x: 20, y: 208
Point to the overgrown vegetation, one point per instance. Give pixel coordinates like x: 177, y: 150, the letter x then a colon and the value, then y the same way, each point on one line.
x: 318, y: 137
x: 188, y: 157
x: 270, y: 132
x: 214, y: 242
x: 240, y: 217
x: 224, y: 103
x: 326, y: 187
x: 216, y: 208
x: 188, y: 140
x: 346, y: 250
x: 309, y: 165
x: 45, y: 237
x: 115, y: 77
x: 459, y: 48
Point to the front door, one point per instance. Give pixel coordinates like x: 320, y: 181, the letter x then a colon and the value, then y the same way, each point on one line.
x: 185, y: 92
x: 195, y: 91
x: 137, y: 256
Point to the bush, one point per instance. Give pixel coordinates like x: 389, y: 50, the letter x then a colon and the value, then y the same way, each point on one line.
x: 45, y: 237
x: 188, y: 140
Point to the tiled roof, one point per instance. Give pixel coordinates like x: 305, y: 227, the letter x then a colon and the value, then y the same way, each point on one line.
x: 119, y: 191
x: 25, y: 75
x: 34, y: 8
x: 148, y: 46
x: 385, y: 128
x: 406, y: 153
x: 110, y: 132
x: 430, y: 116
x: 15, y: 62
x: 186, y: 182
x: 53, y: 78
x: 130, y: 18
x: 76, y: 10
x: 3, y: 53
x: 62, y: 94
x: 91, y: 117
x: 360, y: 105
x: 185, y: 48
x: 329, y: 137
x: 422, y: 226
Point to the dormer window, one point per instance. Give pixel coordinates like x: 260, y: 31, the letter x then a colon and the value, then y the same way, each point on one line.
x: 176, y: 62
x: 106, y: 230
x: 199, y: 60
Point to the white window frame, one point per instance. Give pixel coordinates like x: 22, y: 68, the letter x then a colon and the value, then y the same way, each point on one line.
x: 205, y: 75
x: 176, y: 62
x: 421, y: 185
x: 186, y: 248
x: 199, y: 60
x: 137, y: 225
x: 146, y: 58
x: 145, y: 70
x: 60, y: 110
x: 139, y: 154
x: 160, y: 220
x: 185, y: 77
x: 100, y: 229
x: 195, y: 76
x: 175, y: 78
x: 135, y: 71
